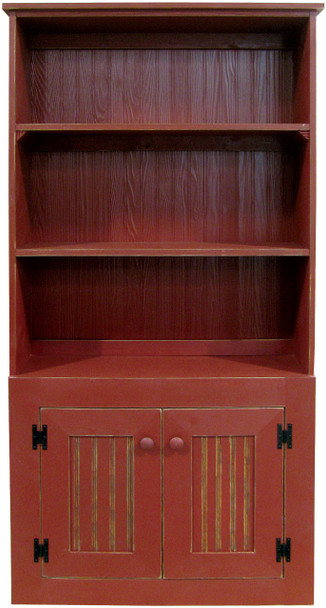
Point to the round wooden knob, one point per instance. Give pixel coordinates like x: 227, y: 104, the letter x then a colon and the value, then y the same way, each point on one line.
x: 176, y: 443
x: 146, y: 443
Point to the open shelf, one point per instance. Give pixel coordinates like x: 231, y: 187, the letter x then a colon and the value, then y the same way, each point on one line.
x: 89, y: 311
x: 170, y: 76
x: 125, y: 193
x: 161, y: 298
x: 157, y: 249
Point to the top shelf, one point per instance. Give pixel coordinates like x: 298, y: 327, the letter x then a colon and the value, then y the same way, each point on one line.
x: 234, y: 128
x: 93, y: 6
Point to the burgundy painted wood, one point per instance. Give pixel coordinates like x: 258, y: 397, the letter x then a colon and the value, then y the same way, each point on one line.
x: 162, y: 274
x: 296, y: 395
x: 106, y: 489
x: 220, y: 515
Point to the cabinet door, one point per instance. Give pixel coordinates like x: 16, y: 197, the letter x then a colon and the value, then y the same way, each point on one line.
x: 100, y: 493
x: 223, y: 493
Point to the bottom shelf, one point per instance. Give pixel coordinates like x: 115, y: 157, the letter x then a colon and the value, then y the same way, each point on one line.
x: 106, y: 366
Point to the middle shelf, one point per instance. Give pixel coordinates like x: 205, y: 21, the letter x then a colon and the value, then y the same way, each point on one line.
x: 162, y: 298
x: 209, y: 190
x: 160, y: 249
x: 149, y: 305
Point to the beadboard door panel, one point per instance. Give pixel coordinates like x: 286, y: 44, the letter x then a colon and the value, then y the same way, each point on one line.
x: 223, y: 493
x: 101, y: 493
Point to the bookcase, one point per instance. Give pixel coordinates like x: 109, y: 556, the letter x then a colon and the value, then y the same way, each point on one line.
x: 162, y: 271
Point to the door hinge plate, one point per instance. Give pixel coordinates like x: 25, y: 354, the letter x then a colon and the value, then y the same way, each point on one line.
x: 41, y: 550
x: 283, y: 550
x: 40, y: 437
x: 284, y: 436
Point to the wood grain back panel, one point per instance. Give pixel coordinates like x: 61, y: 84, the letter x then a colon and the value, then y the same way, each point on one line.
x: 161, y: 85
x: 204, y: 196
x: 160, y: 298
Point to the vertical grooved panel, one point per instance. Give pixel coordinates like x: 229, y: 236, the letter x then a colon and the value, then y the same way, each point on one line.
x: 196, y: 506
x: 226, y: 494
x: 233, y: 494
x: 94, y: 494
x: 223, y: 489
x: 86, y: 540
x: 130, y: 494
x: 121, y: 494
x: 112, y: 494
x: 204, y: 546
x: 218, y: 493
x: 211, y: 495
x: 75, y: 489
x: 248, y: 493
x: 102, y: 494
x: 240, y: 492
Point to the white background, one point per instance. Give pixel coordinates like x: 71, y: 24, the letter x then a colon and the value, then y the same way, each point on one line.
x: 320, y: 537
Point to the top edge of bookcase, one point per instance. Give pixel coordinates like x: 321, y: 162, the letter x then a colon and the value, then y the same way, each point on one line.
x: 229, y: 7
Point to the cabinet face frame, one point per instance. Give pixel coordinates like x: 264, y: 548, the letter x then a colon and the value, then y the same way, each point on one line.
x: 82, y: 512
x: 27, y: 396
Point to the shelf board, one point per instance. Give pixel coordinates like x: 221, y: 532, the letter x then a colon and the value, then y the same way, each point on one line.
x: 228, y: 137
x: 235, y: 128
x: 160, y: 249
x: 164, y: 367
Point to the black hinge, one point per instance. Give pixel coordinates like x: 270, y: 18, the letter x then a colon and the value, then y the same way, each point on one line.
x: 284, y: 436
x: 41, y: 550
x: 40, y: 437
x: 283, y: 550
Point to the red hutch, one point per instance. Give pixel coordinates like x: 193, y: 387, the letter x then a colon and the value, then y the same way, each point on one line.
x: 162, y: 256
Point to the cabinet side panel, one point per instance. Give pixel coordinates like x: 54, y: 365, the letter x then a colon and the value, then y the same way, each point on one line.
x: 305, y: 106
x: 312, y: 192
x: 301, y: 74
x: 25, y: 490
x: 22, y: 76
x: 19, y: 335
